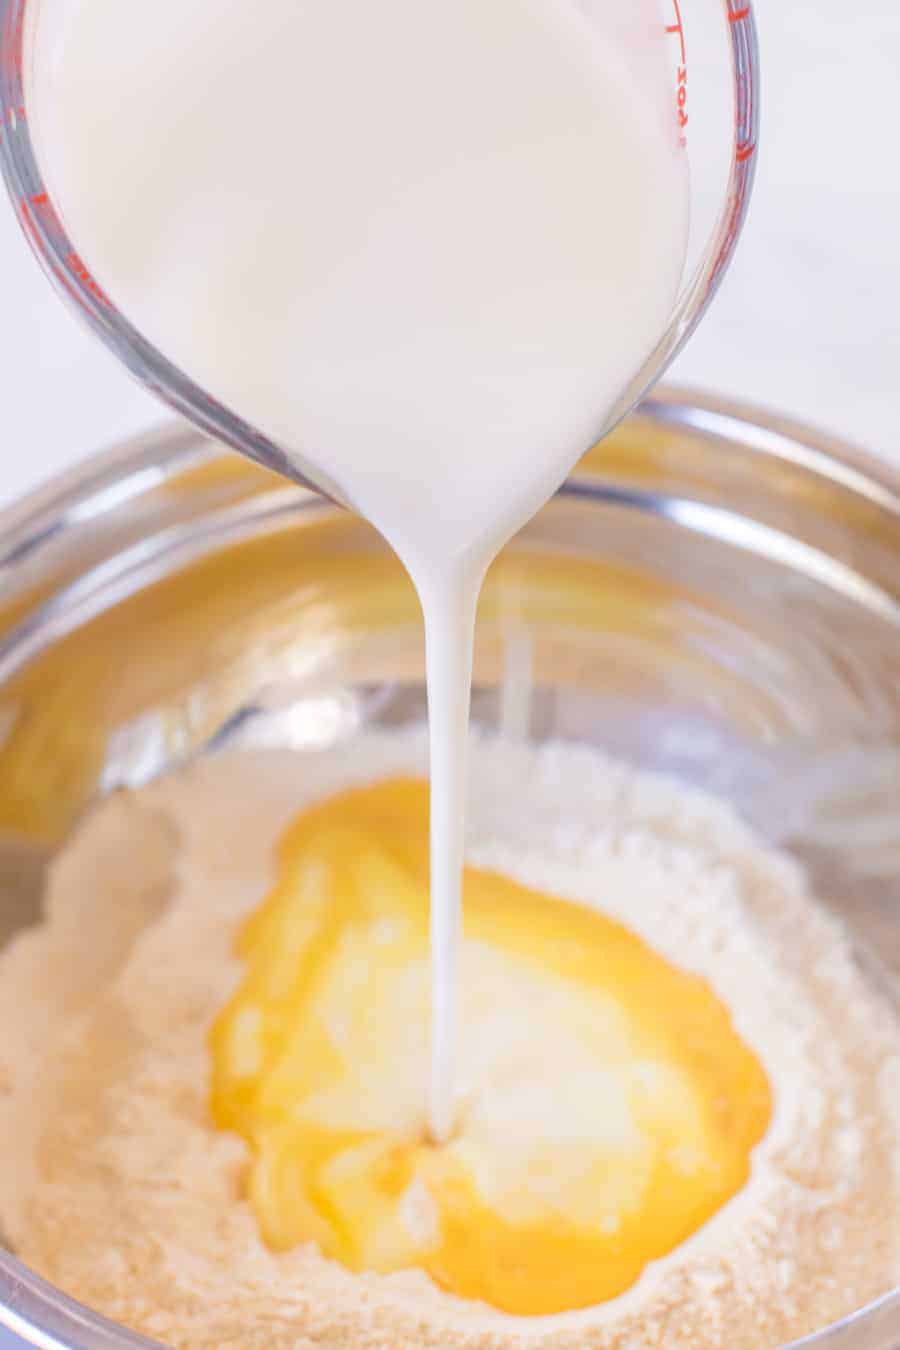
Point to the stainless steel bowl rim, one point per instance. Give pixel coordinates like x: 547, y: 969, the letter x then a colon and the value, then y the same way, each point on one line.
x: 31, y: 1307
x: 109, y: 477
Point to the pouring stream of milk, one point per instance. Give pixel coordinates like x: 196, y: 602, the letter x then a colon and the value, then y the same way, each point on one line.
x: 423, y: 245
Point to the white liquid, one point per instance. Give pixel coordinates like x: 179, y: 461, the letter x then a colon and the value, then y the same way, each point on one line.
x: 423, y: 245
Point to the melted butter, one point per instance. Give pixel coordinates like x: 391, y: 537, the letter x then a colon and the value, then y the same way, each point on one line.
x: 607, y: 1106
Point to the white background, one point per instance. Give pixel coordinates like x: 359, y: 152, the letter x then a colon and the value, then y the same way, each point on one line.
x: 808, y: 322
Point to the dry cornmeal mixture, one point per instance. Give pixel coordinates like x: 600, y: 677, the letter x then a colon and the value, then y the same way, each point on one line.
x: 117, y: 1186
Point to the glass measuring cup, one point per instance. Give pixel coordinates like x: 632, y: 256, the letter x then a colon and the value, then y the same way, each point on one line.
x: 714, y: 91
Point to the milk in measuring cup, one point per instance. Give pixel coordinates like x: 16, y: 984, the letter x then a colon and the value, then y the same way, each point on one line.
x: 423, y: 245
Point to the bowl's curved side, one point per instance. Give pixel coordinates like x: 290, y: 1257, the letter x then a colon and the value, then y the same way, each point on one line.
x: 167, y: 478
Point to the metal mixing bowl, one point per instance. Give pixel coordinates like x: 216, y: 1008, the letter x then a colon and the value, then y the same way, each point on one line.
x: 713, y: 593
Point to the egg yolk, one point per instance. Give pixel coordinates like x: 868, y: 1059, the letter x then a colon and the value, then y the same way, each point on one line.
x: 607, y: 1106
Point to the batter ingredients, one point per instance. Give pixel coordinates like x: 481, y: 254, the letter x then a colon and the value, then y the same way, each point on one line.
x: 119, y: 1187
x: 424, y: 246
x: 609, y: 1107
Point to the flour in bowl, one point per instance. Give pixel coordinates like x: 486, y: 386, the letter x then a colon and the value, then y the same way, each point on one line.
x: 117, y: 1187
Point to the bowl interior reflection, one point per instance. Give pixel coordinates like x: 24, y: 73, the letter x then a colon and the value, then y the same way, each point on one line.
x: 710, y: 596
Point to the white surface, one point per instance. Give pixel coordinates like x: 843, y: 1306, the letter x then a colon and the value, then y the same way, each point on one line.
x: 807, y: 322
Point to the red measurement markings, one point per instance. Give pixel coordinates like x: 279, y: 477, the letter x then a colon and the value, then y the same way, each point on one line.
x: 743, y: 150
x: 12, y: 41
x: 681, y: 112
x: 84, y: 276
x: 28, y: 215
x: 678, y: 27
x: 11, y: 47
x: 40, y: 208
x: 25, y: 205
